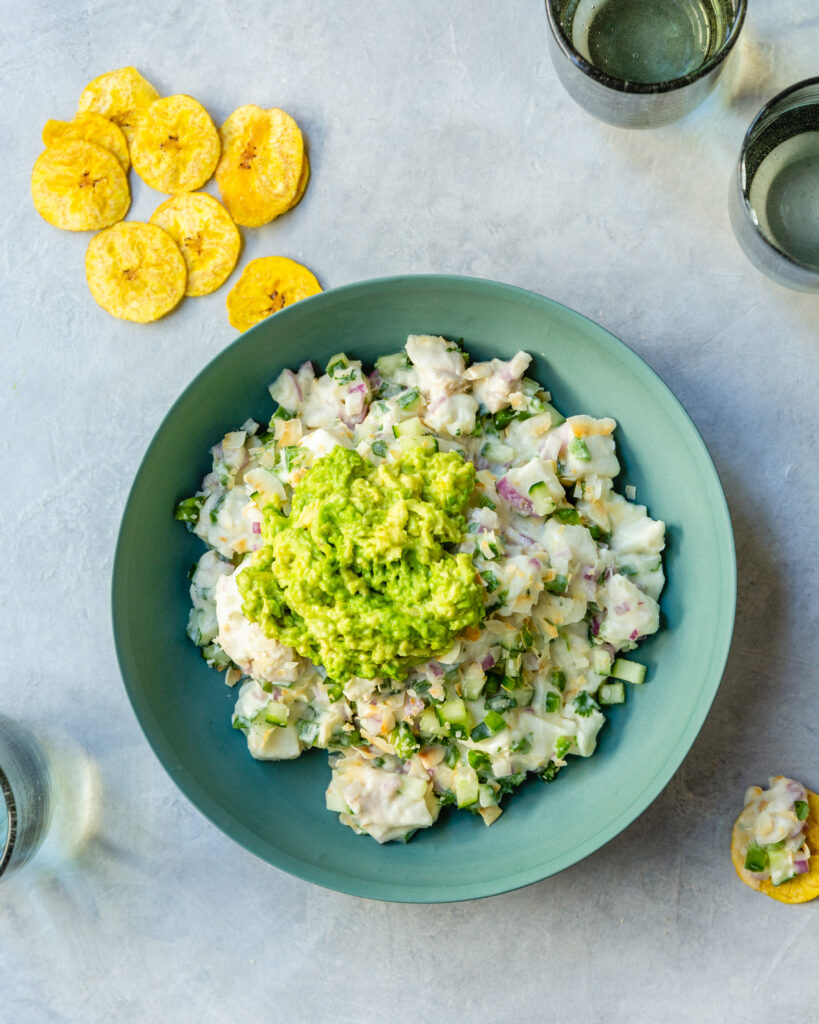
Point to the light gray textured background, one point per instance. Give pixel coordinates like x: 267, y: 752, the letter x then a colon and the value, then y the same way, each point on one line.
x: 440, y: 141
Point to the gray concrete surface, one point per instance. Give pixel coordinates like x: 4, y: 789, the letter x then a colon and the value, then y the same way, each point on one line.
x: 440, y: 141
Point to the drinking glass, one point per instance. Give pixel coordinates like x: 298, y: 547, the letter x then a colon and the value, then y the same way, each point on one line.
x: 641, y: 63
x: 774, y: 200
x: 25, y: 795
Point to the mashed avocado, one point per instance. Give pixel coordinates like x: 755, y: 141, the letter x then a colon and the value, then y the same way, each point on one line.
x: 361, y: 577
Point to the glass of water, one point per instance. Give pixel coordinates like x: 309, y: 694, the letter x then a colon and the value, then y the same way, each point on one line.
x: 641, y: 63
x: 774, y: 201
x: 25, y: 795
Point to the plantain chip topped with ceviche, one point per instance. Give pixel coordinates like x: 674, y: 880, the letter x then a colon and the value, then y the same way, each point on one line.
x: 775, y: 842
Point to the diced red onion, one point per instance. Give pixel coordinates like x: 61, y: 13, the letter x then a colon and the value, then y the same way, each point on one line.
x: 295, y: 380
x: 435, y: 669
x: 256, y: 527
x: 488, y: 662
x: 517, y: 500
x: 622, y: 608
x: 376, y: 380
x: 535, y: 563
x: 633, y: 635
x: 800, y: 866
x: 595, y: 627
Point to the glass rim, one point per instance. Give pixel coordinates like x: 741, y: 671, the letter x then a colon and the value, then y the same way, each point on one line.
x: 8, y: 807
x: 646, y: 88
x: 742, y: 167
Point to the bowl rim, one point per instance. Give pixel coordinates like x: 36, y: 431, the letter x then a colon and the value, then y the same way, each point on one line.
x: 332, y: 878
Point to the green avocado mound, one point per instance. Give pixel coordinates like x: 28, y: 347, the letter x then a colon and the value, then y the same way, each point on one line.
x: 361, y: 577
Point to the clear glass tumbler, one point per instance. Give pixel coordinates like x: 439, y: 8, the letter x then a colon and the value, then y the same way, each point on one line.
x: 641, y: 63
x: 774, y: 200
x: 25, y: 795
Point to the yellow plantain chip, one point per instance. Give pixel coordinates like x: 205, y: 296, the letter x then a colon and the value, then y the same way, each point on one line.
x: 801, y: 889
x: 266, y: 286
x: 119, y: 96
x: 89, y: 128
x: 175, y: 146
x: 302, y: 186
x: 135, y: 271
x: 79, y: 187
x: 207, y: 238
x: 261, y: 164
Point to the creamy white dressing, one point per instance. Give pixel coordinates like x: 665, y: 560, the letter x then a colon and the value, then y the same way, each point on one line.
x: 572, y: 574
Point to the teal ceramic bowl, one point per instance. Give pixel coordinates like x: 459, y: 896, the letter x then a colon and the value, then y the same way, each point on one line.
x: 276, y: 810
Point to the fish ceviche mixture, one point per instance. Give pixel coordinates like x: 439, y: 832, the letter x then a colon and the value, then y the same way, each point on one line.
x: 771, y: 831
x: 426, y: 571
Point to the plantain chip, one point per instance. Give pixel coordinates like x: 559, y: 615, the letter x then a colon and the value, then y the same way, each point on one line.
x: 801, y: 889
x: 302, y: 186
x: 261, y: 164
x: 135, y: 271
x: 89, y: 128
x: 207, y: 238
x: 79, y: 187
x: 266, y: 286
x: 175, y: 146
x: 119, y: 96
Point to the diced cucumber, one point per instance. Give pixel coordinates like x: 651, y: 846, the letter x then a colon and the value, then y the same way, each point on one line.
x: 412, y: 427
x: 428, y: 724
x: 415, y: 789
x: 466, y: 787
x: 410, y: 401
x: 501, y: 702
x: 453, y: 715
x: 389, y: 366
x: 756, y: 859
x: 276, y: 714
x: 517, y: 643
x: 404, y: 444
x: 611, y: 693
x: 486, y: 796
x: 473, y: 683
x: 494, y: 451
x: 337, y: 364
x: 513, y: 664
x: 629, y: 671
x: 308, y: 732
x: 557, y: 417
x: 540, y: 498
x: 492, y: 723
x: 780, y: 865
x: 601, y: 662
